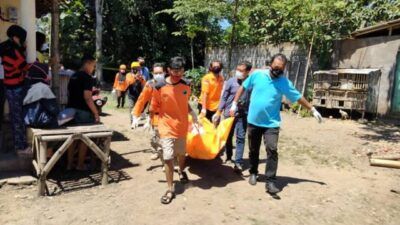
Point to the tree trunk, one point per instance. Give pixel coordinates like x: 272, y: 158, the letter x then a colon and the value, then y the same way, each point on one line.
x: 99, y: 37
x: 55, y: 51
x: 232, y: 39
x: 191, y: 52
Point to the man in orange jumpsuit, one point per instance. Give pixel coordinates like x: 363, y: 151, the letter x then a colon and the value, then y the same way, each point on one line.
x: 144, y: 98
x: 171, y: 99
x: 211, y: 89
x: 120, y: 85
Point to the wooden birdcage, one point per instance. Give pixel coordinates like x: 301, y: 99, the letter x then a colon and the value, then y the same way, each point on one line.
x: 347, y: 89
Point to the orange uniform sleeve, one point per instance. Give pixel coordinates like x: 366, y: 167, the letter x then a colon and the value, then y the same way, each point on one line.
x: 130, y: 79
x: 116, y: 81
x: 205, y: 85
x: 144, y: 97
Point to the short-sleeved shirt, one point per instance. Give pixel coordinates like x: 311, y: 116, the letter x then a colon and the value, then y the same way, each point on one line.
x: 146, y: 73
x: 78, y: 83
x: 135, y: 85
x: 172, y: 103
x: 145, y: 97
x: 212, y: 86
x: 266, y: 97
x: 228, y: 94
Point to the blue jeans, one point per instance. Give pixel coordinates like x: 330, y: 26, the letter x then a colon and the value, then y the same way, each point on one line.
x: 15, y: 98
x: 239, y: 127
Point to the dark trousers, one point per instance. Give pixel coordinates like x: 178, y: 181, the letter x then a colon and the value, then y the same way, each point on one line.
x: 239, y: 127
x: 209, y: 113
x: 2, y: 100
x: 121, y: 98
x: 15, y: 98
x: 271, y: 136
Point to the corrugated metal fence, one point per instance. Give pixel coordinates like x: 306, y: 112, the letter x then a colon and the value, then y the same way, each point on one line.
x: 258, y: 55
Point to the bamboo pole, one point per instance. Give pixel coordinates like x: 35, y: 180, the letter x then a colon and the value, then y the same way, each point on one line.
x: 306, y: 72
x: 94, y: 148
x: 105, y: 163
x: 389, y: 157
x: 297, y: 74
x: 36, y: 167
x: 42, y: 164
x: 65, y: 136
x: 385, y: 163
x: 57, y: 155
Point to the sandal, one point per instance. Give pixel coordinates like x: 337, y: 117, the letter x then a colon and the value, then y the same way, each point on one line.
x: 183, y: 177
x: 167, y: 197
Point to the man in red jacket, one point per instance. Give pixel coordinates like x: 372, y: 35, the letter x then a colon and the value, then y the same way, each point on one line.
x: 15, y: 67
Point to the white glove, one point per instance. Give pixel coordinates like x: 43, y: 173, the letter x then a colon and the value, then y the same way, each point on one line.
x: 147, y: 124
x: 316, y: 114
x: 216, y: 117
x: 135, y: 122
x: 203, y: 112
x: 233, y: 109
x: 114, y: 94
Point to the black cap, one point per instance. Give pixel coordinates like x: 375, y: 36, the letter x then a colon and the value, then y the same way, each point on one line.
x: 17, y: 31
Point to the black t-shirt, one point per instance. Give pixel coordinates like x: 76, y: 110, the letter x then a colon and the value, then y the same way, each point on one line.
x: 78, y: 83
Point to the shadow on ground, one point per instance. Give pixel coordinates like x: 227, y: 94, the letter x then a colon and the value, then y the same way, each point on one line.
x: 118, y: 136
x: 381, y: 131
x: 62, y: 181
x: 212, y: 173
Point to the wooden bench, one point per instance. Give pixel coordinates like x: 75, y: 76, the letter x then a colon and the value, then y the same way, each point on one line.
x: 41, y: 137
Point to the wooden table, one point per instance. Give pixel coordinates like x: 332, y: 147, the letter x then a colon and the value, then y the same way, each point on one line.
x: 67, y: 135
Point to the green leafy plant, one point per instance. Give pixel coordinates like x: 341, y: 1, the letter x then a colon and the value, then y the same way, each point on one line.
x: 195, y: 75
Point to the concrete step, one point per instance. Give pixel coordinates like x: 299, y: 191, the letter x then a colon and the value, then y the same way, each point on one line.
x: 11, y: 162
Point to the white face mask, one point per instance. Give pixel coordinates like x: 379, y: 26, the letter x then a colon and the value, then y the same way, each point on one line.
x: 159, y: 77
x: 239, y: 75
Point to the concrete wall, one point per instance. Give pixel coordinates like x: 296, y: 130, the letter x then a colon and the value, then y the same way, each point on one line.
x: 259, y: 54
x: 5, y: 4
x: 376, y: 52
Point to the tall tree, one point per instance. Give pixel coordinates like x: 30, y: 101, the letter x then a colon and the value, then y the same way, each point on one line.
x: 195, y: 17
x: 99, y: 39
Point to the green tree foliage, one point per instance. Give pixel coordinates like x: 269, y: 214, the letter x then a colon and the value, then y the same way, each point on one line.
x: 197, y: 17
x: 160, y: 29
x: 132, y: 28
x: 280, y: 21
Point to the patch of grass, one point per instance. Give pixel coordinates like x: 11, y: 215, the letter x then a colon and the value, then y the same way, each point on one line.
x: 112, y: 103
x: 299, y: 154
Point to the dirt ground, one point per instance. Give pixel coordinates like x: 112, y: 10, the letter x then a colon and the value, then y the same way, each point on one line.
x: 323, y: 172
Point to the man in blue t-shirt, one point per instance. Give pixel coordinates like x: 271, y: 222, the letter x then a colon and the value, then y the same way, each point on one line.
x: 268, y: 86
x: 144, y: 70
